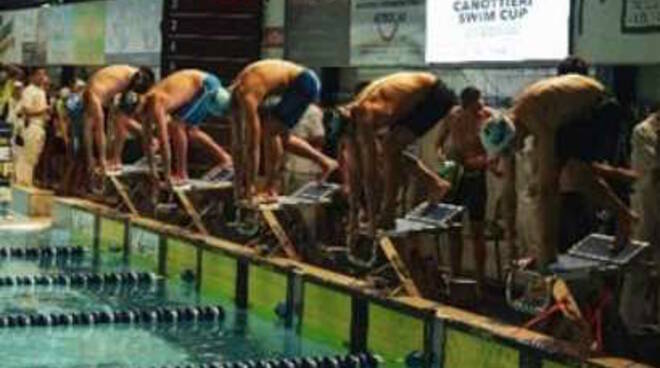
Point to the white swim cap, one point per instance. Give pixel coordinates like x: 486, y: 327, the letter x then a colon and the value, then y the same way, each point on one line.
x: 220, y: 102
x: 497, y: 134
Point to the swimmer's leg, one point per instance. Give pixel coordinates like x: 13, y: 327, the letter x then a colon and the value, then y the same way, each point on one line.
x: 548, y: 171
x: 94, y: 130
x: 219, y: 154
x: 180, y: 148
x: 274, y: 156
x: 302, y: 148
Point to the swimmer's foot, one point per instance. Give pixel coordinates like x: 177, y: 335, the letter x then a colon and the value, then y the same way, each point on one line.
x: 328, y: 167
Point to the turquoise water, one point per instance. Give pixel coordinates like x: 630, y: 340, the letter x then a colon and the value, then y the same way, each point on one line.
x: 239, y: 336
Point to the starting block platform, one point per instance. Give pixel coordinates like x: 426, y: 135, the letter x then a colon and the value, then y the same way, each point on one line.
x: 584, y: 264
x: 312, y: 193
x: 310, y: 196
x: 430, y: 218
x: 597, y: 253
x: 427, y: 217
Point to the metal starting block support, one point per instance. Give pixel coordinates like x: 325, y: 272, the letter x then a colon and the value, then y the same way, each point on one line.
x: 428, y: 217
x: 589, y: 264
x: 139, y: 168
x: 310, y: 194
x: 216, y: 180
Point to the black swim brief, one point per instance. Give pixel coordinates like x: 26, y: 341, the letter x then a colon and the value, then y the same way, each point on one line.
x: 437, y: 103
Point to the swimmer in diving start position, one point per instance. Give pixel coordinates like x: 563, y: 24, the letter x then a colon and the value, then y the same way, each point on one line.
x: 405, y: 105
x: 101, y: 90
x: 177, y: 105
x: 574, y: 123
x: 297, y: 88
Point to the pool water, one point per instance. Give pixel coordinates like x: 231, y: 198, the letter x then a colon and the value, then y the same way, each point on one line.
x: 238, y: 336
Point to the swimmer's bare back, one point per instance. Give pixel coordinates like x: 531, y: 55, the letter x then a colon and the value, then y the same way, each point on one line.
x: 265, y: 77
x: 554, y: 101
x: 109, y: 81
x: 391, y: 98
x: 177, y: 89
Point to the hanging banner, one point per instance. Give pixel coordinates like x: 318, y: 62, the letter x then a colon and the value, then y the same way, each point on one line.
x: 497, y: 30
x: 133, y: 34
x: 640, y: 16
x: 386, y: 32
x: 317, y: 32
x: 75, y: 34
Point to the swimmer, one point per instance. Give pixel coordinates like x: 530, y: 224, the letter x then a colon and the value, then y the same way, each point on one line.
x: 297, y: 88
x: 463, y: 125
x: 177, y: 105
x: 406, y: 105
x: 574, y: 124
x: 100, y: 93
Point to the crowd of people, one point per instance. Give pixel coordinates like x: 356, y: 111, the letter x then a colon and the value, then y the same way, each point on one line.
x: 65, y: 137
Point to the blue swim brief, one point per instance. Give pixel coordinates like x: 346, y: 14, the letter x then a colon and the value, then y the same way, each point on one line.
x: 197, y: 110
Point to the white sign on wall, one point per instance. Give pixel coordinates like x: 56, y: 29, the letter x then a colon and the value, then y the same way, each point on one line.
x: 386, y: 32
x: 641, y: 16
x: 496, y: 30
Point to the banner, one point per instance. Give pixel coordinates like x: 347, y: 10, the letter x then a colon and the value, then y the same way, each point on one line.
x: 133, y: 32
x: 386, y: 32
x: 497, y: 30
x: 317, y: 32
x: 75, y: 34
x: 640, y: 16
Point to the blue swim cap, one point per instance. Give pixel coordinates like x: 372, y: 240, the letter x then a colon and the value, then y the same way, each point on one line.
x: 497, y: 134
x: 74, y: 105
x: 220, y: 102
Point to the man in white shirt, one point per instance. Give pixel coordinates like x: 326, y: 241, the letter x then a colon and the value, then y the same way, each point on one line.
x: 34, y: 107
x: 300, y: 170
x: 645, y: 201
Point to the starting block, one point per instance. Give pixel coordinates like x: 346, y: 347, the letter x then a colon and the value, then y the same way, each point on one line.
x: 429, y: 218
x: 128, y: 185
x: 588, y: 260
x: 593, y: 266
x: 297, y: 215
x: 199, y: 197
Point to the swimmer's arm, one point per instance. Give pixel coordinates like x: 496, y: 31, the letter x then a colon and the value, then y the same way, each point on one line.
x: 597, y: 188
x: 442, y: 137
x: 615, y: 173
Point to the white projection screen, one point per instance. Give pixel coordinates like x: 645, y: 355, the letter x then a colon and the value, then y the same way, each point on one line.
x: 462, y: 31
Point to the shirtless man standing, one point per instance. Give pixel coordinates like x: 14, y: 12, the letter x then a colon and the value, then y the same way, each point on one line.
x: 177, y: 105
x: 574, y: 123
x: 463, y: 125
x: 405, y: 105
x: 101, y: 90
x: 298, y: 88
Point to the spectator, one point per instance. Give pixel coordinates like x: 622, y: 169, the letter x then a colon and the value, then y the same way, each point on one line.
x: 34, y: 106
x: 646, y: 202
x: 300, y: 170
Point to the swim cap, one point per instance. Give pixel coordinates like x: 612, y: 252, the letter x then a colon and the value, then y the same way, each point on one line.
x: 219, y: 104
x: 74, y: 105
x: 497, y: 134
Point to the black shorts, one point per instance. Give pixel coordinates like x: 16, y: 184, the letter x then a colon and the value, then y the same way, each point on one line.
x: 594, y: 137
x: 438, y: 102
x: 472, y: 193
x: 577, y: 220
